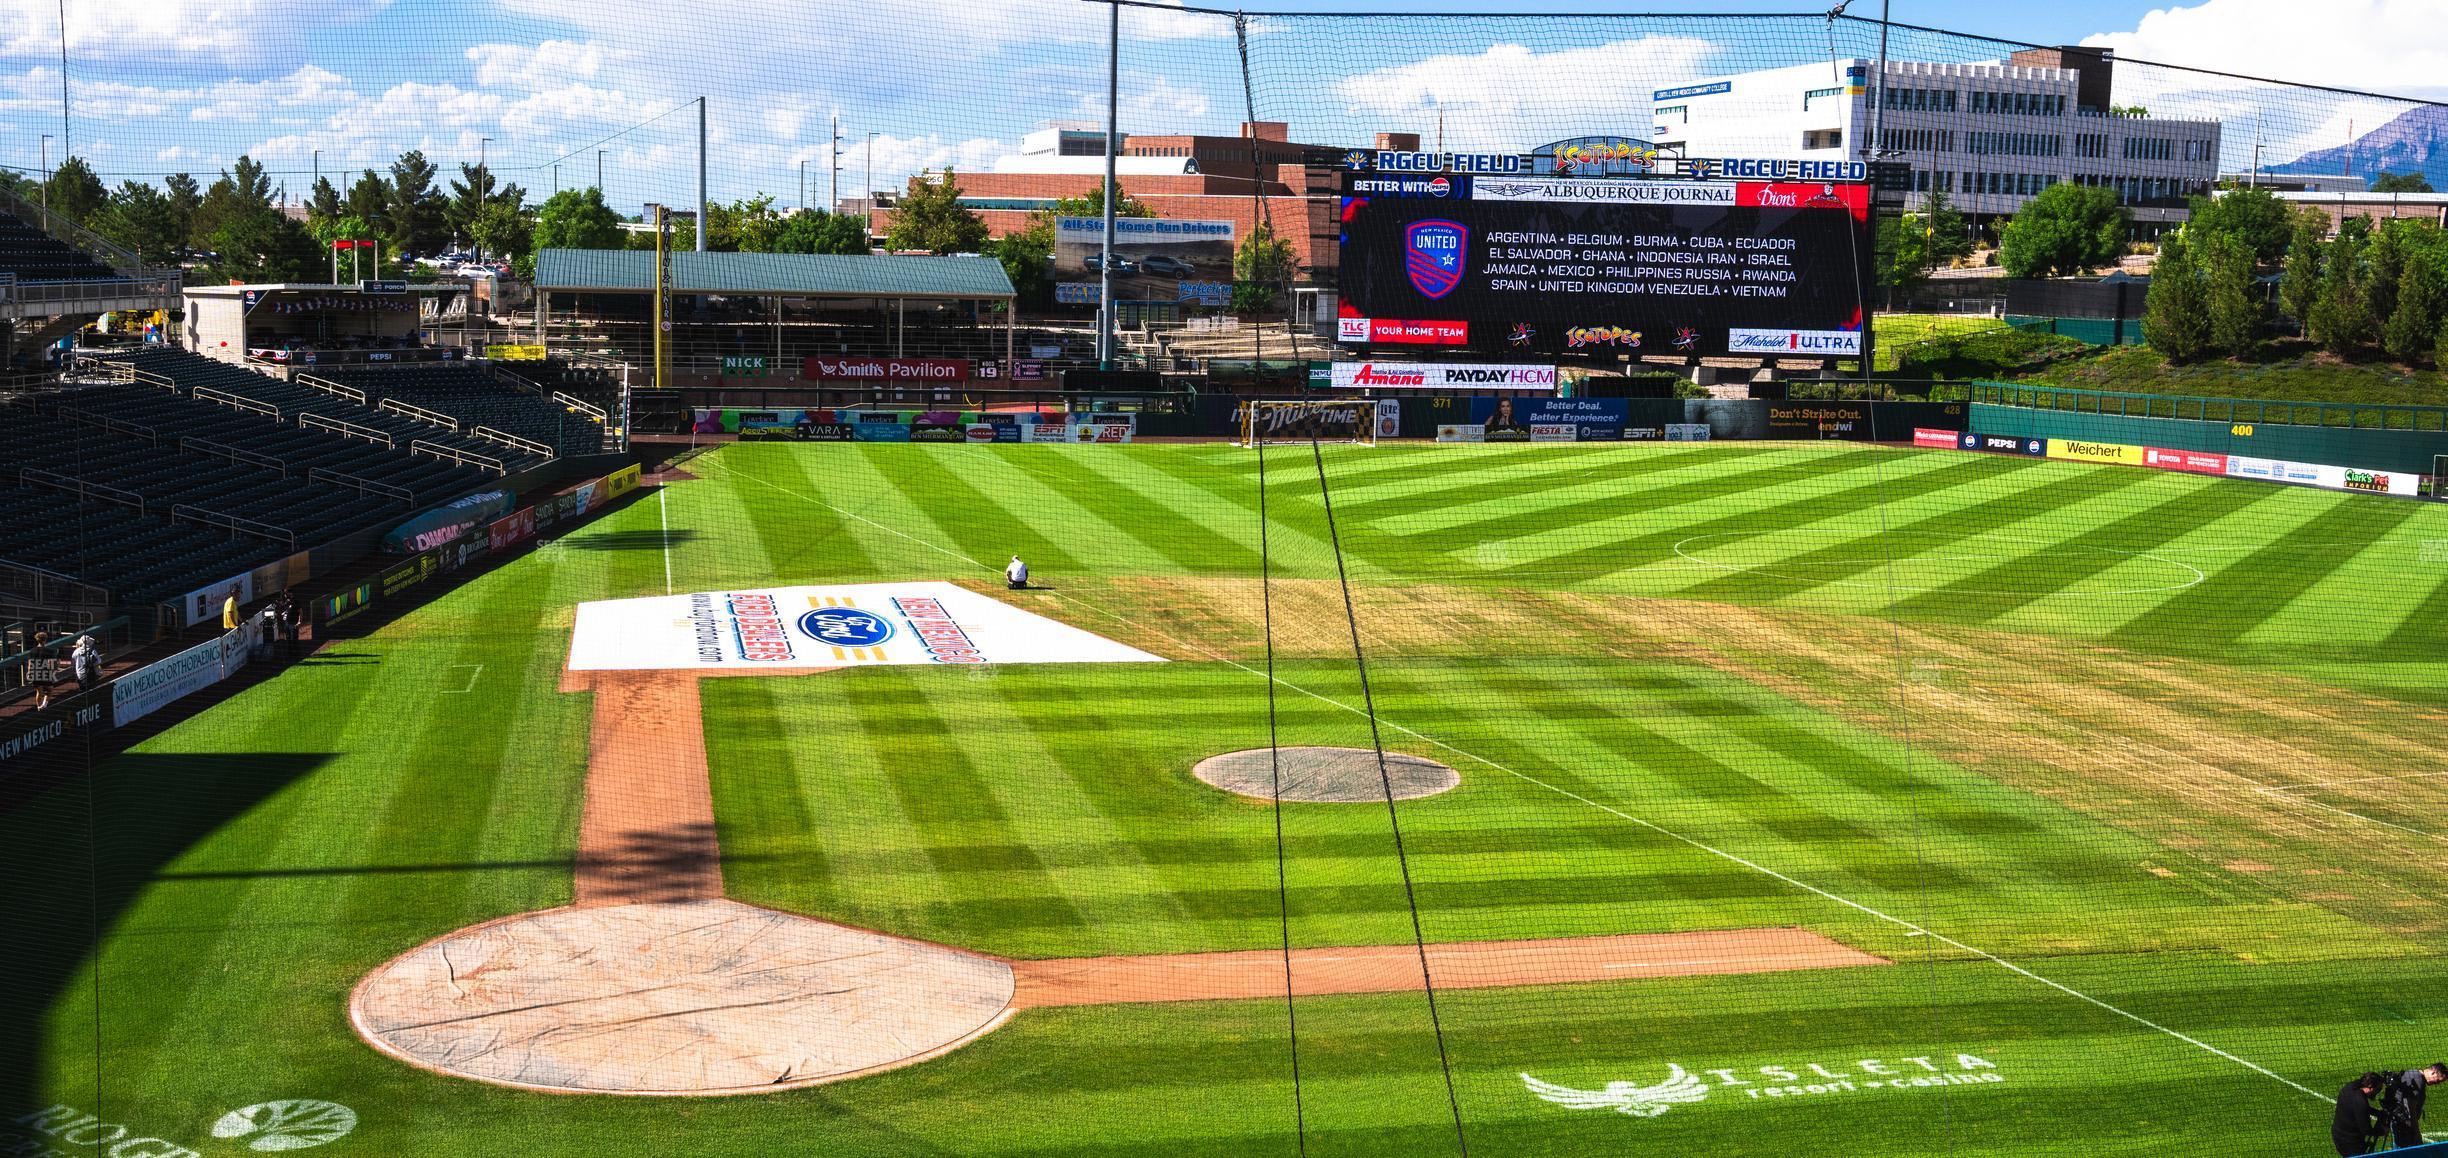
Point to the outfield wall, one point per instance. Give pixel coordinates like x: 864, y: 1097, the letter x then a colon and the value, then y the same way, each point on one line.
x: 2376, y: 449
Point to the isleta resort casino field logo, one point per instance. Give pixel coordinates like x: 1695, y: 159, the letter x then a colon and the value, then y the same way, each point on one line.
x: 1682, y: 1088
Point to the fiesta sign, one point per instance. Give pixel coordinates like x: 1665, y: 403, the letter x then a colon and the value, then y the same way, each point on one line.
x: 887, y: 369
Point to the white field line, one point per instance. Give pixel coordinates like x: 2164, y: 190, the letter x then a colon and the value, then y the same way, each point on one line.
x: 1734, y: 858
x: 474, y: 670
x: 663, y: 512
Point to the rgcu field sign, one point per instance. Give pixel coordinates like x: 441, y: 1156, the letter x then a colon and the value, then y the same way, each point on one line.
x: 888, y: 369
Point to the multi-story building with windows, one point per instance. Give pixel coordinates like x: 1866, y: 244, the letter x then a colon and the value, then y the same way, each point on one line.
x: 1989, y: 136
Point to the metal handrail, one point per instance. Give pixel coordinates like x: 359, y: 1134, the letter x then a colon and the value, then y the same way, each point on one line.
x: 235, y: 401
x: 106, y: 422
x: 462, y: 457
x: 328, y: 386
x: 229, y: 522
x: 341, y: 478
x: 412, y: 410
x: 91, y: 490
x: 234, y: 454
x: 346, y: 429
x: 582, y: 406
x: 513, y: 441
x: 2205, y: 408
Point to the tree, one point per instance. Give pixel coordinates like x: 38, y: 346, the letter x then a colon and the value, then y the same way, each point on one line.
x: 76, y: 192
x: 748, y: 225
x: 505, y: 230
x: 368, y: 198
x: 139, y: 217
x: 1944, y: 237
x: 1263, y: 266
x: 242, y: 189
x: 185, y: 195
x: 263, y: 244
x: 2255, y: 216
x: 2067, y: 229
x: 2340, y: 309
x: 1028, y: 260
x: 2235, y: 297
x: 324, y: 201
x: 2300, y: 285
x: 2386, y: 259
x: 471, y: 195
x: 930, y: 217
x: 413, y: 212
x: 2422, y: 295
x: 2413, y: 182
x: 576, y: 219
x: 816, y: 231
x: 2176, y: 317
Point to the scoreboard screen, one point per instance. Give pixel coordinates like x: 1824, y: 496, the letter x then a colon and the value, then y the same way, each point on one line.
x: 1563, y: 265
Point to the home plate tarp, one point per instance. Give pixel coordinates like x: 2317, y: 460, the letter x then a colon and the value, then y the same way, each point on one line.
x: 842, y: 626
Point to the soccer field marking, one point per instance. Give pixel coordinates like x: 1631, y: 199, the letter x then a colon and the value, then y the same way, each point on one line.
x: 1733, y: 858
x: 473, y: 669
x: 1776, y: 570
x: 2290, y: 796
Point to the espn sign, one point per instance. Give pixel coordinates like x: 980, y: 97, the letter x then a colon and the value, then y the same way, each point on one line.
x: 1442, y: 376
x: 887, y: 369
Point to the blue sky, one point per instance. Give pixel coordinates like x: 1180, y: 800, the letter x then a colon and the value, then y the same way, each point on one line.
x: 194, y: 83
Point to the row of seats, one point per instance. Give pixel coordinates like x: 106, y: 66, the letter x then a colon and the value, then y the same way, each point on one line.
x: 141, y: 559
x: 192, y: 370
x: 36, y: 256
x: 472, y: 395
x: 428, y: 480
x: 165, y: 476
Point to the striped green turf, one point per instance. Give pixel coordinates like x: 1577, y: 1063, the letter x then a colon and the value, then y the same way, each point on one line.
x: 1624, y: 649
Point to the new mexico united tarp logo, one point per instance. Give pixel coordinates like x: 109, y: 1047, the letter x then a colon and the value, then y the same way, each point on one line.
x: 925, y: 622
x: 1432, y: 255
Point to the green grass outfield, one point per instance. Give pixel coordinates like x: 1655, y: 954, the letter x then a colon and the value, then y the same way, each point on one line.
x: 2135, y: 776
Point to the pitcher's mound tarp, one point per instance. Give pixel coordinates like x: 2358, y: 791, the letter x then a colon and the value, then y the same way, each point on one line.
x: 701, y: 997
x: 1325, y: 775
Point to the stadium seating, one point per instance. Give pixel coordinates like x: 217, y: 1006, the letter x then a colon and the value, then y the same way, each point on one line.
x: 471, y: 394
x: 140, y: 559
x: 191, y: 371
x: 35, y: 256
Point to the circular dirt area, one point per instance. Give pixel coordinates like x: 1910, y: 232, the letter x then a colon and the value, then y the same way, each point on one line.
x: 701, y: 997
x: 1325, y: 775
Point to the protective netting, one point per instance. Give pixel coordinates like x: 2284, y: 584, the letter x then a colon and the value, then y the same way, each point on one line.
x: 1876, y: 778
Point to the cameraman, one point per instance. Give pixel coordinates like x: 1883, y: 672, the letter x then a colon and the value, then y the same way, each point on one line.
x: 2406, y: 1091
x: 2358, y: 1120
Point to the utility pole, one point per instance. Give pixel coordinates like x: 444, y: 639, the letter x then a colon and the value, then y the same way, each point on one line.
x: 318, y: 167
x: 1113, y: 145
x: 484, y: 177
x: 835, y: 145
x: 803, y: 183
x: 662, y: 296
x: 599, y: 185
x: 556, y: 176
x: 66, y: 149
x: 1870, y: 154
x: 867, y: 177
x: 46, y: 172
x: 701, y: 184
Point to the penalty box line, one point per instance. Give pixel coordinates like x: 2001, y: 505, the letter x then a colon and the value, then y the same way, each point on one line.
x: 1712, y: 850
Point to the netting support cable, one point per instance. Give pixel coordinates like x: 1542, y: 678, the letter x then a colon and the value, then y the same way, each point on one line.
x: 1283, y: 888
x: 1385, y: 778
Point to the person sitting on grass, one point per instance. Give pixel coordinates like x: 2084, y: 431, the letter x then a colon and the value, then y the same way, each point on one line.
x: 1015, y: 576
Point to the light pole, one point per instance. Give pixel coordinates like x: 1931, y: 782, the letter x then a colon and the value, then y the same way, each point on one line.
x: 599, y: 186
x: 484, y: 177
x: 318, y: 167
x: 802, y: 183
x: 46, y: 172
x: 835, y: 145
x: 867, y: 178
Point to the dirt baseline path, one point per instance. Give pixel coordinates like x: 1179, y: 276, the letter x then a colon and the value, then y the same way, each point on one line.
x: 652, y: 982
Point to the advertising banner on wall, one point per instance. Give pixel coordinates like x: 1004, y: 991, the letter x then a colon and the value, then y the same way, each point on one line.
x: 1819, y: 420
x: 1155, y: 259
x: 446, y: 523
x: 2078, y: 450
x: 854, y: 625
x: 204, y: 603
x: 149, y: 688
x: 896, y: 371
x: 2336, y: 478
x: 512, y: 529
x: 2003, y: 444
x: 2192, y: 461
x: 1511, y: 419
x: 1461, y: 432
x: 1442, y: 376
x: 1924, y: 436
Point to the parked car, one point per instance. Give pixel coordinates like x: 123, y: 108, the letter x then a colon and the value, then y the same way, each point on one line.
x: 1163, y: 266
x: 1095, y: 263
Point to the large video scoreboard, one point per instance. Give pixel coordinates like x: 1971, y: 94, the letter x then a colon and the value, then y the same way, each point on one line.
x: 1565, y: 265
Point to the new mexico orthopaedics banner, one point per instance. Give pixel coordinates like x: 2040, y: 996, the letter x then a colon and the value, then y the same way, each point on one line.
x: 858, y: 624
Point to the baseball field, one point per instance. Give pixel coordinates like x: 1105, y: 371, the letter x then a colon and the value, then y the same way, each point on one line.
x: 1804, y: 799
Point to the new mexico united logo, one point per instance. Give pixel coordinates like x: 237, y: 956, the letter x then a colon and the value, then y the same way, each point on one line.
x: 1432, y: 255
x: 1640, y: 1101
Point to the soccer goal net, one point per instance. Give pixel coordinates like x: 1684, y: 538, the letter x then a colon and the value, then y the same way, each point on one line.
x: 1312, y: 420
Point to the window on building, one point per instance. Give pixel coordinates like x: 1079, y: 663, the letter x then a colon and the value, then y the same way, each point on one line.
x: 1674, y: 114
x: 1820, y: 94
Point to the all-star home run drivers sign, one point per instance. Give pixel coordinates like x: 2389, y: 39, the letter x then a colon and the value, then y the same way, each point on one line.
x: 1768, y: 268
x: 859, y: 624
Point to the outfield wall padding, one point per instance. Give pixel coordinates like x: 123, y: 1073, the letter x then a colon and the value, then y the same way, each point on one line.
x: 2398, y: 450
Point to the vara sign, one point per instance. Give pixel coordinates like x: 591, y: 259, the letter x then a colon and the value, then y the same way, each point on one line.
x: 887, y: 369
x: 1682, y: 1087
x: 820, y: 627
x: 1443, y: 375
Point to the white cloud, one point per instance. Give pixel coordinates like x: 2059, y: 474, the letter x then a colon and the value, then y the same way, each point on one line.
x: 541, y: 65
x: 1509, y: 96
x: 2385, y: 46
x: 226, y: 31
